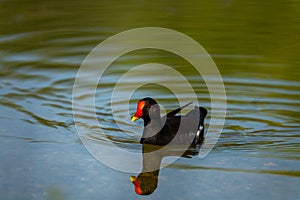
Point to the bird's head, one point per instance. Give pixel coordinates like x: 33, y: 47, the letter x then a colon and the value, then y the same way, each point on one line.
x: 145, y: 183
x: 143, y: 109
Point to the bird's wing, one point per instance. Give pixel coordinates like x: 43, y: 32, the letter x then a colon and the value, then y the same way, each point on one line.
x: 174, y: 112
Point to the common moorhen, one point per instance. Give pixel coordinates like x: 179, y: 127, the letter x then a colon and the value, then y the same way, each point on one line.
x: 188, y: 129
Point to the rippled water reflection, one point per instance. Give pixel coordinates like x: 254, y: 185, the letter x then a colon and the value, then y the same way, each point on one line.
x: 41, y: 155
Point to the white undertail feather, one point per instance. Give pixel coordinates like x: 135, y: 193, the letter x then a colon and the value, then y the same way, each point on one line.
x: 198, y: 133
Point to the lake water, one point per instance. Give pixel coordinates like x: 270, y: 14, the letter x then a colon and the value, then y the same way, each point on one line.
x: 255, y: 46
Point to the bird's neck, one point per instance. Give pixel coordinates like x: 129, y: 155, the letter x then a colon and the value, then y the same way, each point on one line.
x: 152, y: 157
x: 152, y: 126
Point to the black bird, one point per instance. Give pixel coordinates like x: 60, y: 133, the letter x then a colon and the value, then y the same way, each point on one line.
x: 177, y: 129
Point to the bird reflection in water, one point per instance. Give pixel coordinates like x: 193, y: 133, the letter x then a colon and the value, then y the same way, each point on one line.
x: 146, y: 182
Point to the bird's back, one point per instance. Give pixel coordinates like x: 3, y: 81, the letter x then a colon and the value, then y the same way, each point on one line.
x: 177, y: 129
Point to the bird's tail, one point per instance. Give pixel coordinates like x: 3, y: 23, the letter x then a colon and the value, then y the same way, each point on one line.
x: 200, y: 132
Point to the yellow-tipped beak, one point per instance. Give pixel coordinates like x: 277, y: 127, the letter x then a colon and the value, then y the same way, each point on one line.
x: 134, y: 118
x: 133, y: 178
